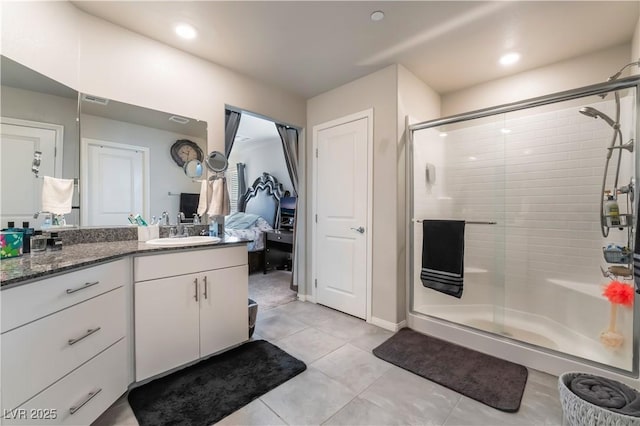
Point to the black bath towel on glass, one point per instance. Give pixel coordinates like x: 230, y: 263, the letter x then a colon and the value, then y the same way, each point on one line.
x: 443, y: 256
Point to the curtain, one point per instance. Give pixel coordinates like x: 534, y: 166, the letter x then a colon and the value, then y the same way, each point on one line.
x: 242, y: 186
x: 289, y: 138
x: 231, y: 123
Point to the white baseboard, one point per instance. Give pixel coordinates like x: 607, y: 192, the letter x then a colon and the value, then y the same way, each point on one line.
x: 388, y: 325
x: 306, y: 298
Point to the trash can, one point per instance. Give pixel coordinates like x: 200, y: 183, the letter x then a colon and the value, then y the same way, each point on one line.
x: 253, y: 314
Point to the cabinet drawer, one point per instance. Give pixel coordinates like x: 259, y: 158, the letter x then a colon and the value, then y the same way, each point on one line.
x: 106, y: 374
x: 37, y: 354
x: 29, y: 302
x: 180, y: 263
x: 283, y: 237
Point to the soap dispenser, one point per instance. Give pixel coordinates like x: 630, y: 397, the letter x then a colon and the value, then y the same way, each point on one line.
x: 612, y: 210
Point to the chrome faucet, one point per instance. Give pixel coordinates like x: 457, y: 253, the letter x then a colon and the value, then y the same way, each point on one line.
x: 164, y: 219
x: 181, y: 228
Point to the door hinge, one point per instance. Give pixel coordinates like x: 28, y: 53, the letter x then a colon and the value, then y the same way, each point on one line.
x: 316, y: 283
x: 55, y: 151
x: 316, y: 218
x: 316, y: 152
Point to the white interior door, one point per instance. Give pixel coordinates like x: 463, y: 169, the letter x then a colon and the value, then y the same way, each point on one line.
x: 341, y: 260
x: 21, y: 191
x: 116, y: 180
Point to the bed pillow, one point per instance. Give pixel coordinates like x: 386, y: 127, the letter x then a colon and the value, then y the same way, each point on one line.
x: 240, y: 220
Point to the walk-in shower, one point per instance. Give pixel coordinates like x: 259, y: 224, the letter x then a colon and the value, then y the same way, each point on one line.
x: 539, y: 248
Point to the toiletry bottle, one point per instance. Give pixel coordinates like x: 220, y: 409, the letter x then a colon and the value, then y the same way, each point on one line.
x: 140, y: 221
x: 213, y: 228
x: 26, y: 240
x: 612, y: 211
x: 38, y: 242
x: 54, y: 243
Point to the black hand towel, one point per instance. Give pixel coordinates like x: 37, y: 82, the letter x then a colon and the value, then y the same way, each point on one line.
x: 606, y: 393
x: 443, y: 256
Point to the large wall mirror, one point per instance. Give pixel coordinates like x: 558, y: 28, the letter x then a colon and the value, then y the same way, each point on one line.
x: 38, y: 114
x: 132, y: 161
x: 120, y: 155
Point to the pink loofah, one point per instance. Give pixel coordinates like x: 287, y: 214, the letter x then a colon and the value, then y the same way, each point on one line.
x: 619, y: 293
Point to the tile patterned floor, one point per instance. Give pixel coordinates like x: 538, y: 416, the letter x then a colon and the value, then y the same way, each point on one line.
x: 345, y: 384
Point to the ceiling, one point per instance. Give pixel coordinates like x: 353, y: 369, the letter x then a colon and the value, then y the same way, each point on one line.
x: 309, y: 47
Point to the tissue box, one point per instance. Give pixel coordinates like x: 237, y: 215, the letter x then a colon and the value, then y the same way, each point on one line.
x: 10, y: 244
x: 146, y: 233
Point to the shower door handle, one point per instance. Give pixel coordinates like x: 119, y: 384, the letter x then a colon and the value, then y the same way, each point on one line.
x: 360, y: 229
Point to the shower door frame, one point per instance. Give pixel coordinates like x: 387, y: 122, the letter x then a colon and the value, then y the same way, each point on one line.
x: 581, y: 92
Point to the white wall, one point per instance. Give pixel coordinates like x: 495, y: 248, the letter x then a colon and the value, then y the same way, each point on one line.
x: 570, y: 74
x: 377, y: 91
x: 165, y: 175
x: 259, y: 156
x: 635, y: 48
x: 420, y: 103
x: 97, y: 57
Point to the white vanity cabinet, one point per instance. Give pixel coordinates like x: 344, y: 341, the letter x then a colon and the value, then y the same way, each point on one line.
x: 188, y: 305
x: 64, y: 346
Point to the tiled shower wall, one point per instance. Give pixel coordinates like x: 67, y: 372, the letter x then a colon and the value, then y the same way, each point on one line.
x: 538, y: 174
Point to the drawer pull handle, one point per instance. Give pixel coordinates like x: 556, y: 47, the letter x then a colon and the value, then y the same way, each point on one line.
x: 195, y: 294
x: 87, y: 334
x: 89, y: 397
x: 205, y: 287
x: 86, y: 285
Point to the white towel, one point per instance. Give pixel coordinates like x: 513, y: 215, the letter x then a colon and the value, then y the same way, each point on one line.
x: 220, y: 204
x: 57, y: 195
x: 203, y: 201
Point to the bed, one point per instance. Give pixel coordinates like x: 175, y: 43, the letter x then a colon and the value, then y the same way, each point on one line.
x: 262, y: 199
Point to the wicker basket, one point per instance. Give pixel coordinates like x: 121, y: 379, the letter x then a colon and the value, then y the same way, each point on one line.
x: 578, y: 412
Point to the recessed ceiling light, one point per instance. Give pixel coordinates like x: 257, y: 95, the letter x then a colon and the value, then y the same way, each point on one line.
x: 509, y: 58
x: 186, y: 31
x: 378, y: 15
x: 505, y: 131
x: 443, y: 134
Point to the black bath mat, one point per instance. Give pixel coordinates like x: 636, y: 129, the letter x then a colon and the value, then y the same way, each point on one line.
x: 490, y: 380
x: 210, y: 390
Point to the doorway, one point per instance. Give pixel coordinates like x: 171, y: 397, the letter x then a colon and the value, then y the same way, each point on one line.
x: 116, y: 184
x: 21, y: 192
x: 343, y: 213
x: 257, y: 154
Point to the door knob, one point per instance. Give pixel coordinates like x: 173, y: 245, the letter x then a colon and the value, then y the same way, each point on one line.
x: 360, y: 229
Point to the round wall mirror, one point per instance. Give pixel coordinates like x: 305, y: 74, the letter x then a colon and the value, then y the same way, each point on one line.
x: 193, y: 169
x: 217, y: 162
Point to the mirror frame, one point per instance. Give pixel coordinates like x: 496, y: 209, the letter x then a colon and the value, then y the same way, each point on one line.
x: 216, y: 156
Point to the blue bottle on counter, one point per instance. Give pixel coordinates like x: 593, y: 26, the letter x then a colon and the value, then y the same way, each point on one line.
x: 213, y: 229
x: 26, y: 240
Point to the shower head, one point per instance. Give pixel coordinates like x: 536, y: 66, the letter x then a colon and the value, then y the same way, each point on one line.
x: 592, y: 112
x: 619, y: 73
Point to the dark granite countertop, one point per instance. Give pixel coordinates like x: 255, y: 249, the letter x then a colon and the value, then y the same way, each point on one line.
x: 21, y: 270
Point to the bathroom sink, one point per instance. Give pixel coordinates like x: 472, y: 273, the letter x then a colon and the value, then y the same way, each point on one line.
x: 185, y: 241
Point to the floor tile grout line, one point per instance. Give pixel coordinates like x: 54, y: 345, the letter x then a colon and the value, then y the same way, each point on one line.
x: 271, y: 409
x: 454, y: 408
